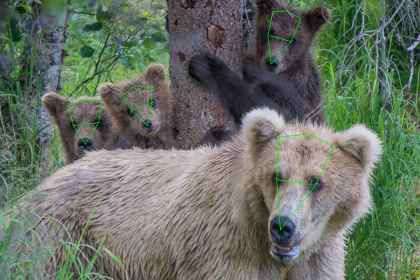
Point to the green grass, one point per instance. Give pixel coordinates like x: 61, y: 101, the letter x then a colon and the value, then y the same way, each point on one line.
x: 23, y: 253
x: 357, y: 76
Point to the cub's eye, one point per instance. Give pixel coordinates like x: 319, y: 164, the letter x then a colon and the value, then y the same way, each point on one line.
x: 131, y: 111
x: 314, y: 184
x: 276, y: 180
x: 292, y: 40
x: 74, y: 124
x: 151, y: 102
x: 99, y: 123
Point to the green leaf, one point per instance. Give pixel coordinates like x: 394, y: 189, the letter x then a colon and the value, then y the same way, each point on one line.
x: 93, y: 27
x: 15, y: 30
x: 149, y: 44
x: 86, y: 51
x: 158, y: 36
x: 102, y: 15
x: 20, y: 9
x: 127, y: 62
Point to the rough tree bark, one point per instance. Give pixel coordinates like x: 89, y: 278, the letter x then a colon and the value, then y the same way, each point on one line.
x: 48, y: 38
x: 194, y: 27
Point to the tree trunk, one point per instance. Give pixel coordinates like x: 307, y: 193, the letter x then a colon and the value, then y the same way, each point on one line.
x: 48, y: 35
x: 196, y: 27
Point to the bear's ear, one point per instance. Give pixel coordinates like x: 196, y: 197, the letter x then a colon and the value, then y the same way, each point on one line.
x: 55, y: 104
x: 260, y: 126
x: 264, y: 6
x: 109, y: 95
x: 155, y: 74
x: 361, y: 143
x: 316, y: 17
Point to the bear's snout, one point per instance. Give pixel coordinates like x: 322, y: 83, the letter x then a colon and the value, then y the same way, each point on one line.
x: 282, y: 230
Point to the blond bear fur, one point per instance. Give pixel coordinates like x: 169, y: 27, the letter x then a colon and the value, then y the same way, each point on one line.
x: 205, y: 213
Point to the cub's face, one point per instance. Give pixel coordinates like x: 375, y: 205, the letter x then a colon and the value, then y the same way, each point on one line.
x: 132, y: 107
x: 314, y: 182
x: 82, y: 123
x: 90, y: 126
x: 284, y: 34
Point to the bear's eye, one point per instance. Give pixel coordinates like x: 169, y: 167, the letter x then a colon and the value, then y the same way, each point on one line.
x: 276, y: 180
x: 151, y: 102
x: 314, y: 184
x: 131, y: 111
x: 74, y: 124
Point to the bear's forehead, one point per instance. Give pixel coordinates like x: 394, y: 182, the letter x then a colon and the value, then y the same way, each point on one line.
x: 86, y: 111
x: 138, y: 86
x: 301, y: 146
x: 298, y: 157
x: 139, y: 97
x: 284, y: 21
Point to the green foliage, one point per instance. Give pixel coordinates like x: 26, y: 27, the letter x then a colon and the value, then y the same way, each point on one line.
x: 367, y: 82
x: 116, y: 41
x: 96, y: 26
x: 86, y: 51
x: 15, y: 31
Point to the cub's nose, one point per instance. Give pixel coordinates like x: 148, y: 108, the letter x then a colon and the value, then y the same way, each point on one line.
x: 272, y: 62
x: 85, y: 143
x: 147, y: 124
x: 282, y: 229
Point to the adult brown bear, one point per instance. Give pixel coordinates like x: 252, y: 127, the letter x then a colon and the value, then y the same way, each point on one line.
x: 273, y: 203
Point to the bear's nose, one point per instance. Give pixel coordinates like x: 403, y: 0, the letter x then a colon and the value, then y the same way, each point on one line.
x: 282, y: 229
x: 85, y: 143
x: 272, y: 62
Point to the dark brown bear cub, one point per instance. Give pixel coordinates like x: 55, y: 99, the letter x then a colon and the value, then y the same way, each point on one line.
x: 284, y: 38
x: 282, y: 74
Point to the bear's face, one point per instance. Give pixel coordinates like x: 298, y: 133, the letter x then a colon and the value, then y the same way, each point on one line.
x: 83, y: 123
x: 314, y: 182
x: 132, y: 104
x: 285, y: 34
x: 134, y: 109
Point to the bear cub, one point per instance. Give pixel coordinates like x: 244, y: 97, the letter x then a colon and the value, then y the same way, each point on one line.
x: 132, y: 105
x: 82, y: 123
x: 275, y: 202
x: 282, y: 74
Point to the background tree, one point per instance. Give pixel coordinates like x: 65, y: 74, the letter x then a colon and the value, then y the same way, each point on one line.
x: 48, y: 38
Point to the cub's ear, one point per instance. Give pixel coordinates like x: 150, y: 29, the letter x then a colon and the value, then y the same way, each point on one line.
x: 55, y: 104
x: 155, y: 74
x: 109, y: 94
x: 260, y: 126
x: 264, y: 6
x: 361, y: 143
x: 316, y: 17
